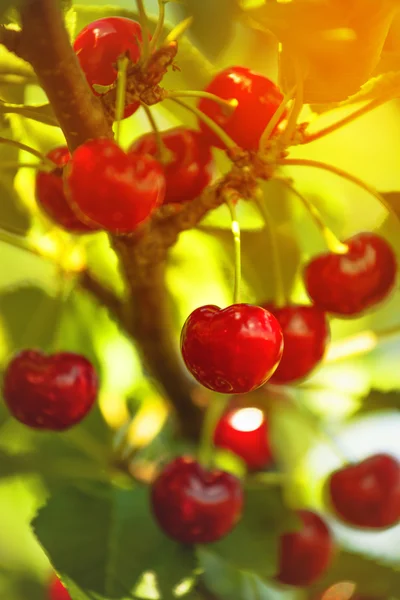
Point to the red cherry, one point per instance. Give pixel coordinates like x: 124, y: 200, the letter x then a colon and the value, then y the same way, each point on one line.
x: 258, y: 99
x: 49, y: 392
x: 244, y: 431
x: 193, y: 505
x: 51, y: 197
x: 367, y: 494
x: 347, y: 284
x: 99, y: 46
x: 113, y: 189
x: 306, y: 334
x: 306, y: 554
x: 191, y: 165
x: 233, y: 350
x: 57, y: 591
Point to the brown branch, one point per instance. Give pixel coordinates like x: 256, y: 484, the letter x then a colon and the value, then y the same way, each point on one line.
x: 105, y: 296
x: 44, y: 42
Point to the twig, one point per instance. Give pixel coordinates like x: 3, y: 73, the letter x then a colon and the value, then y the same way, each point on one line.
x: 105, y: 296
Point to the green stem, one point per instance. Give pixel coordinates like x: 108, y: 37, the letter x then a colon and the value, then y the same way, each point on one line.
x: 275, y: 120
x: 333, y: 242
x: 228, y: 105
x: 279, y: 288
x: 302, y: 162
x: 145, y: 30
x: 18, y: 241
x: 121, y: 92
x: 231, y: 204
x: 224, y: 137
x: 287, y: 135
x: 163, y: 154
x: 26, y: 148
x: 18, y: 165
x: 159, y: 27
x: 214, y: 412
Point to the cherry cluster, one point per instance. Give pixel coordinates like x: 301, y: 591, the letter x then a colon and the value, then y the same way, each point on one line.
x: 233, y: 350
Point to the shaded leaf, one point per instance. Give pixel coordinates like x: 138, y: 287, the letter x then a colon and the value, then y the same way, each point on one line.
x: 102, y: 539
x: 380, y: 401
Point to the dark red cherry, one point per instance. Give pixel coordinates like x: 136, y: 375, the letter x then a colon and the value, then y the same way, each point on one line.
x: 193, y: 505
x: 232, y: 350
x: 367, y: 494
x: 190, y: 167
x: 51, y: 197
x: 306, y: 554
x: 244, y: 431
x: 258, y: 99
x: 49, y: 392
x: 57, y: 591
x: 112, y: 189
x: 306, y: 334
x: 347, y: 284
x: 99, y: 46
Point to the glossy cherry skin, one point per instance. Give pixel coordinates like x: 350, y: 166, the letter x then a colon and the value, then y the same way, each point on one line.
x: 306, y: 554
x: 49, y: 392
x: 244, y: 431
x: 258, y: 99
x: 57, y: 591
x: 99, y: 46
x: 193, y: 505
x: 306, y: 334
x: 348, y: 284
x: 51, y: 197
x: 367, y: 494
x: 190, y: 167
x: 112, y: 189
x: 232, y: 350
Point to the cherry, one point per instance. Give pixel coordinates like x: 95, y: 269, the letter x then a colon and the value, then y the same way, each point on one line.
x: 57, y: 591
x: 193, y: 505
x: 347, y: 284
x: 258, y: 99
x: 110, y: 188
x: 99, y: 46
x: 232, y: 350
x: 367, y: 494
x: 244, y: 431
x: 51, y: 197
x: 49, y: 392
x: 190, y: 167
x: 306, y: 334
x: 306, y: 554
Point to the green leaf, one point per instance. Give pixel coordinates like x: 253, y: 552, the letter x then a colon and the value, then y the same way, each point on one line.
x: 103, y: 539
x: 379, y: 401
x: 371, y: 577
x: 253, y: 544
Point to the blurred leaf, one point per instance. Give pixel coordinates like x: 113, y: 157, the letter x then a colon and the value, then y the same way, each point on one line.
x: 371, y: 577
x: 102, y: 539
x: 337, y: 42
x: 379, y: 401
x: 42, y: 113
x: 393, y: 199
x: 386, y: 85
x: 6, y: 5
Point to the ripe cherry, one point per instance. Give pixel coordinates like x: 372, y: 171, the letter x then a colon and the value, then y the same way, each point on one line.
x: 244, y: 431
x: 367, y: 494
x: 257, y: 101
x: 232, y: 350
x: 57, y: 591
x: 190, y: 167
x: 49, y: 392
x: 306, y: 554
x: 193, y: 505
x: 347, y: 284
x: 51, y: 197
x: 306, y: 334
x: 99, y: 46
x: 112, y: 189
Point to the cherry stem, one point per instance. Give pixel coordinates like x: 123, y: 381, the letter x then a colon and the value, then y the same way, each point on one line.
x: 121, y: 93
x: 228, y: 105
x: 287, y: 135
x: 163, y: 154
x: 311, y: 137
x: 145, y: 30
x: 214, y: 412
x: 47, y: 162
x: 332, y: 241
x: 279, y: 288
x: 302, y: 162
x: 18, y: 165
x: 235, y: 228
x: 224, y: 137
x: 159, y: 27
x: 275, y: 120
